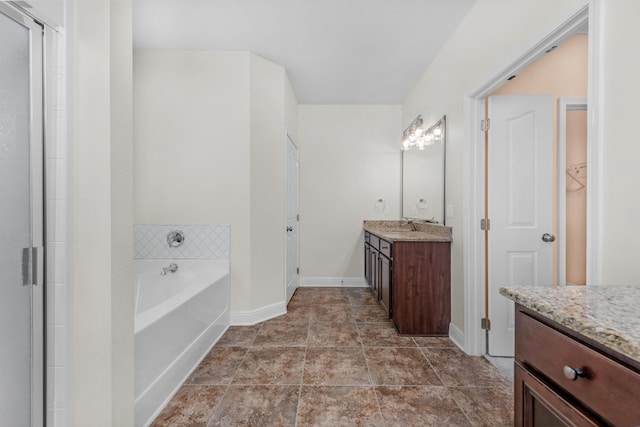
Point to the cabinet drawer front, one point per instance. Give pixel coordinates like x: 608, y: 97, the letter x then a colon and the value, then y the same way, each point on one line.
x: 374, y: 241
x: 385, y: 248
x: 606, y: 387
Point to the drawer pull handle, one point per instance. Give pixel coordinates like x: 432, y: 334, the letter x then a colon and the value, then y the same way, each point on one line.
x: 571, y: 373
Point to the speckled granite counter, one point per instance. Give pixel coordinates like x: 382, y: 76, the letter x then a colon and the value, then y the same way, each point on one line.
x: 402, y: 231
x: 605, y: 314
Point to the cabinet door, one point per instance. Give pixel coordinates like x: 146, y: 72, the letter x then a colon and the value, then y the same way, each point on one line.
x: 374, y: 272
x: 385, y: 283
x: 367, y: 263
x: 537, y: 405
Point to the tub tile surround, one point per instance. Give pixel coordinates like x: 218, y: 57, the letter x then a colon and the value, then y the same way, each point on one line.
x: 201, y: 241
x: 298, y: 370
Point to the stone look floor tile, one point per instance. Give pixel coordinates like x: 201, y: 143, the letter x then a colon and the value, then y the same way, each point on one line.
x: 333, y: 298
x: 331, y: 313
x: 455, y: 368
x: 257, y: 405
x: 282, y: 334
x: 332, y: 360
x: 219, y: 366
x: 399, y: 366
x: 332, y: 334
x: 338, y: 406
x: 362, y: 296
x: 434, y: 342
x: 369, y: 313
x: 485, y: 407
x: 192, y: 405
x: 336, y: 366
x: 382, y: 334
x: 271, y: 365
x: 419, y: 406
x: 238, y: 336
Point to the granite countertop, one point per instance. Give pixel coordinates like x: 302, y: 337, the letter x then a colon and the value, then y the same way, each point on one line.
x: 403, y: 231
x: 605, y: 314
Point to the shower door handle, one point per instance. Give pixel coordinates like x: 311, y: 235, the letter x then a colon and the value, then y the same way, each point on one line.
x: 32, y: 266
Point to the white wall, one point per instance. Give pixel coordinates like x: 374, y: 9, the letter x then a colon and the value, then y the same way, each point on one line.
x: 489, y: 38
x: 192, y: 147
x: 621, y: 198
x: 209, y: 149
x: 349, y: 157
x: 102, y: 212
x: 267, y: 103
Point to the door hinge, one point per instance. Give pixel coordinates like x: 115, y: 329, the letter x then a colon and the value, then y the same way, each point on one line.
x: 485, y: 124
x: 485, y: 324
x: 297, y: 270
x: 298, y: 217
x: 485, y: 224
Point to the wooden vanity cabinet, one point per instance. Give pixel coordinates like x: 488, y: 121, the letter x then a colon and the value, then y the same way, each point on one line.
x: 421, y: 291
x: 563, y: 378
x: 411, y: 280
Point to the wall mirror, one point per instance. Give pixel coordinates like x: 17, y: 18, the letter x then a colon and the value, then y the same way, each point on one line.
x: 423, y: 163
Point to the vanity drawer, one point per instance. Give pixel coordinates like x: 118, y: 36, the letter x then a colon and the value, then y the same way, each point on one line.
x: 374, y: 241
x: 605, y: 387
x: 385, y: 248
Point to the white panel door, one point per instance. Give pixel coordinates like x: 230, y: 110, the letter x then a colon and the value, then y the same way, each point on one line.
x: 520, y: 185
x: 21, y: 225
x: 292, y: 176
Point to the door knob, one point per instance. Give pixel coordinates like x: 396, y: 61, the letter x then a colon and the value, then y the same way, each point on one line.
x: 546, y: 237
x: 289, y: 228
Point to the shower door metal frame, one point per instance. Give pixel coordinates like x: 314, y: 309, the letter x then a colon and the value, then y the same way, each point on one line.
x: 35, y: 271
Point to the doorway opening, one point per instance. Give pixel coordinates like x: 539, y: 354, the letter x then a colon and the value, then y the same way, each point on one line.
x: 476, y: 285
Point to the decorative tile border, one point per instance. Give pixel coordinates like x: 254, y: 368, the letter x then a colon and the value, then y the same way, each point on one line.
x: 200, y: 242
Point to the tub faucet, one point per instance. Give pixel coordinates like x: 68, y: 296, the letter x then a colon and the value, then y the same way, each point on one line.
x: 173, y: 267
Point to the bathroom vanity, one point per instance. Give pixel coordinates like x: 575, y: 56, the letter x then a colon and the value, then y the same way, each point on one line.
x: 408, y: 268
x: 577, y: 355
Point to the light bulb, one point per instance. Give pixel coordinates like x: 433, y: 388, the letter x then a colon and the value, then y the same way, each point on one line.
x: 437, y: 131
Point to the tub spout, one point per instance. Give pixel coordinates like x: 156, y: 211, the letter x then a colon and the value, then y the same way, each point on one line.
x: 172, y: 268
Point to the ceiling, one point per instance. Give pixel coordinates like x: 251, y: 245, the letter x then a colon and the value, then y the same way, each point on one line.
x: 334, y: 51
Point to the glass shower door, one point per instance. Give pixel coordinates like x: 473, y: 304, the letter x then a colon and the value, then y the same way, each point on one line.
x: 21, y: 221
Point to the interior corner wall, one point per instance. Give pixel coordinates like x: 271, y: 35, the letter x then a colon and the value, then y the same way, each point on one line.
x: 192, y: 147
x: 472, y: 54
x: 267, y: 124
x: 621, y: 156
x: 349, y: 158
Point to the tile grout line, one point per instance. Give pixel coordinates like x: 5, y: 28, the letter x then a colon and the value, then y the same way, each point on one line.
x: 373, y: 385
x: 215, y: 410
x: 443, y: 384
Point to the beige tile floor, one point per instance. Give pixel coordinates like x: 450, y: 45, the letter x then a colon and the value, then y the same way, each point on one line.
x: 335, y: 360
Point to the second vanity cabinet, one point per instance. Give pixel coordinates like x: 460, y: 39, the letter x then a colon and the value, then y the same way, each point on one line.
x: 411, y: 280
x: 563, y: 379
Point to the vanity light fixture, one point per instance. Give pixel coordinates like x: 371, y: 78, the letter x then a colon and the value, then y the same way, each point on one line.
x: 415, y: 136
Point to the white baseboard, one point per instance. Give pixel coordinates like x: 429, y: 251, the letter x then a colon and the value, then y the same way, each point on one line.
x: 251, y: 317
x: 456, y: 335
x: 351, y: 282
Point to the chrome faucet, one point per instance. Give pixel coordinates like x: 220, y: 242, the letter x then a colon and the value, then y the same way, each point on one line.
x: 173, y: 267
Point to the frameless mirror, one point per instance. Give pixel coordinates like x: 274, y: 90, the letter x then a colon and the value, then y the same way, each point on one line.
x: 423, y: 181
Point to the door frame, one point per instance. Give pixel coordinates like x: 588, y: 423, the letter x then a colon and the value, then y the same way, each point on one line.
x: 564, y: 105
x: 474, y: 157
x: 287, y: 138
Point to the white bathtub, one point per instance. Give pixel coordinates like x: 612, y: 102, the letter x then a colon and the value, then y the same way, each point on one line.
x: 178, y: 318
